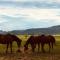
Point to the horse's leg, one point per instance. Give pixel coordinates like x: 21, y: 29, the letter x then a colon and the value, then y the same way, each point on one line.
x: 49, y: 47
x: 11, y: 46
x: 33, y: 47
x: 52, y: 45
x: 42, y: 47
x: 38, y: 47
x: 7, y: 48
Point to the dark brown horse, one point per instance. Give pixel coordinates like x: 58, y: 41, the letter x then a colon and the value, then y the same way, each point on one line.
x: 50, y: 40
x: 33, y: 40
x: 9, y: 39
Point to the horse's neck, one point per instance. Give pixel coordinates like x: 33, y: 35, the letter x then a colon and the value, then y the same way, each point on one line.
x: 27, y: 43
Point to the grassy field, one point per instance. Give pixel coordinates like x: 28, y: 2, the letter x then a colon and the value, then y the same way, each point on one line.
x: 28, y: 55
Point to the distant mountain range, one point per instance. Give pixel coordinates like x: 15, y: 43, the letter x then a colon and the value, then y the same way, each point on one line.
x: 50, y: 30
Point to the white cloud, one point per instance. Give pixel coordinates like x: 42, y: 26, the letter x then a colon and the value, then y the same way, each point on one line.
x: 30, y: 4
x: 2, y: 21
x: 30, y: 18
x: 14, y: 17
x: 36, y: 14
x: 35, y: 0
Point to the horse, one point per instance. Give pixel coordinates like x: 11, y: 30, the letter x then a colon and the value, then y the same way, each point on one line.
x: 33, y: 41
x: 8, y: 39
x: 50, y: 40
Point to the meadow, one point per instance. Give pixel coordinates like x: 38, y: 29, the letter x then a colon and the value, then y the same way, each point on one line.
x: 28, y: 55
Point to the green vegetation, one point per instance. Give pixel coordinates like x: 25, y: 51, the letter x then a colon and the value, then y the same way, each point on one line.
x: 53, y: 55
x: 56, y: 48
x: 24, y: 39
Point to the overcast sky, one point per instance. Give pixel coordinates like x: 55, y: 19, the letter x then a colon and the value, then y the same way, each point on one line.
x: 25, y: 14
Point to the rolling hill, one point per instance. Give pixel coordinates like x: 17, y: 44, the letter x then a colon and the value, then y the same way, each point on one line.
x: 49, y: 30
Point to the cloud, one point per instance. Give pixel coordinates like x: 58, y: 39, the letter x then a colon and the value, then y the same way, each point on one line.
x: 24, y: 18
x: 31, y: 13
x: 30, y: 4
x: 25, y: 24
x: 33, y: 0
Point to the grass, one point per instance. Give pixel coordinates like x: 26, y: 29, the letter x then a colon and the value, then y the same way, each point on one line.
x: 24, y: 39
x: 53, y: 55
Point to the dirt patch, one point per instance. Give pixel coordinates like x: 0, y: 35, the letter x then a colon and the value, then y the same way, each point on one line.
x: 28, y: 55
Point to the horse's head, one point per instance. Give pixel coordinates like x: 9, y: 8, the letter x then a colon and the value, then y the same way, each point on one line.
x: 19, y: 42
x: 15, y: 38
x: 25, y: 47
x: 29, y: 41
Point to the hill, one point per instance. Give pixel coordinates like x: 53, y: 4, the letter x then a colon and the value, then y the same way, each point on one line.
x: 49, y: 30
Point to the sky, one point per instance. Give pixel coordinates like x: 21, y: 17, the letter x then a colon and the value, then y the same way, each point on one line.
x: 26, y: 14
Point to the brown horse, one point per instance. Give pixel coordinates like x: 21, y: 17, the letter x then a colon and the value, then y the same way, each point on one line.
x: 9, y: 39
x: 50, y: 40
x: 33, y: 40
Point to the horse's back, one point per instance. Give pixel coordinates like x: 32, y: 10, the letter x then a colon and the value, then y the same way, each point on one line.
x: 3, y: 39
x: 6, y: 38
x: 43, y: 38
x: 52, y: 38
